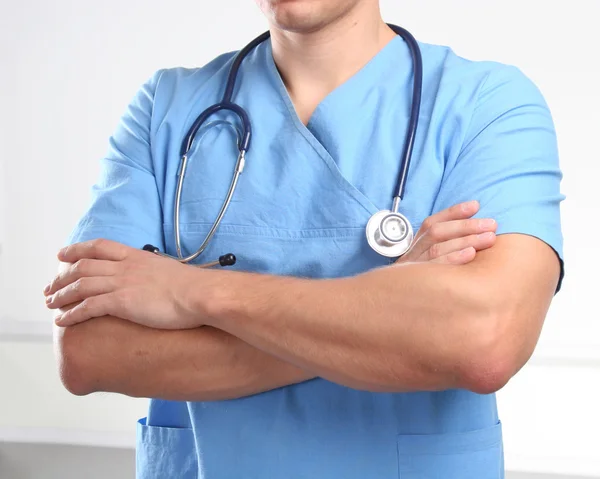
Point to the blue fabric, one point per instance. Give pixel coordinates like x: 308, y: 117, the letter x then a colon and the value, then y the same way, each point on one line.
x: 301, y: 208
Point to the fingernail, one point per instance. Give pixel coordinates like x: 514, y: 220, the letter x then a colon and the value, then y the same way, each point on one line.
x: 469, y: 205
x: 46, y: 289
x: 486, y: 236
x: 487, y: 223
x: 466, y: 251
x: 49, y: 299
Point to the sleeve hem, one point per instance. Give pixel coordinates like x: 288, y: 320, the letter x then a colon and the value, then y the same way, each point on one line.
x: 540, y: 236
x: 112, y: 233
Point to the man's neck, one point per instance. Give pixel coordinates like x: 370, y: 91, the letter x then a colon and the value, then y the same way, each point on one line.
x: 314, y: 64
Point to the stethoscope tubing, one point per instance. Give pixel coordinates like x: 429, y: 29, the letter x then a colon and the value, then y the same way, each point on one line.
x: 226, y: 104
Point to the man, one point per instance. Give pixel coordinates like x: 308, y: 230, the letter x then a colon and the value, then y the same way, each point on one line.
x: 314, y: 357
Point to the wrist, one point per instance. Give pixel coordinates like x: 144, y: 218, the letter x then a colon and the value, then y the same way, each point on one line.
x: 208, y: 294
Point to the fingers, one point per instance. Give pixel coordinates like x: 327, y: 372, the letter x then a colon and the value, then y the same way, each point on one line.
x: 81, y: 269
x: 94, y: 307
x: 463, y: 256
x: 434, y: 226
x: 458, y: 228
x: 95, y: 249
x: 456, y: 212
x: 426, y: 246
x: 80, y: 290
x: 457, y: 251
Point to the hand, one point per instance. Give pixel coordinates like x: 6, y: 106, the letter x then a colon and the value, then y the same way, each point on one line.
x: 107, y: 278
x: 452, y: 236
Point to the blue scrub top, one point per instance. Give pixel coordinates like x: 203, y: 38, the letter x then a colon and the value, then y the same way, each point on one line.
x: 300, y: 209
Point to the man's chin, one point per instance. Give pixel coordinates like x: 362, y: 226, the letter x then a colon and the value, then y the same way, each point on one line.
x: 298, y: 16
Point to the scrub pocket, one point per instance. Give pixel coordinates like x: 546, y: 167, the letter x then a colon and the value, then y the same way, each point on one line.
x: 470, y: 455
x: 165, y: 453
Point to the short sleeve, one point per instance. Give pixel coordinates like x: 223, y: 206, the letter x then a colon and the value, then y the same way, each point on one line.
x: 125, y: 204
x: 509, y: 161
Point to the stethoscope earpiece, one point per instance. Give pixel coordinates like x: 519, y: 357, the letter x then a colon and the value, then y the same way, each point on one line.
x: 228, y: 259
x: 151, y: 248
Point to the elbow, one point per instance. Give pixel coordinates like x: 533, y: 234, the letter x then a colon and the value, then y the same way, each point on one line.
x: 70, y: 356
x: 486, y: 376
x: 492, y: 358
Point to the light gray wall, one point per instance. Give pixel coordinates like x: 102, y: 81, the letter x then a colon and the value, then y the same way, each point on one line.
x: 25, y: 461
x: 28, y: 461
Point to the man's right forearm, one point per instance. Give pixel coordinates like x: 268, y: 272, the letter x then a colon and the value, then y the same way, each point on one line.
x: 112, y: 355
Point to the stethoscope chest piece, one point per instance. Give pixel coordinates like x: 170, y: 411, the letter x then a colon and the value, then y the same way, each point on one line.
x: 389, y: 234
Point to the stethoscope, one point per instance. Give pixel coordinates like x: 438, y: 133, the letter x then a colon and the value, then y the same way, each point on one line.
x: 389, y: 232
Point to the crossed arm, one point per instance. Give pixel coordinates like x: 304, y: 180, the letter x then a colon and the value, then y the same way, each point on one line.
x: 412, y: 326
x: 205, y: 364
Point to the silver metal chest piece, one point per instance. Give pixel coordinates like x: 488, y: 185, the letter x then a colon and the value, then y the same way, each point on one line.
x: 389, y: 234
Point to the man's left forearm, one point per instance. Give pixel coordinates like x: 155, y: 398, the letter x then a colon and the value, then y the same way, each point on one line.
x: 375, y: 331
x: 401, y: 328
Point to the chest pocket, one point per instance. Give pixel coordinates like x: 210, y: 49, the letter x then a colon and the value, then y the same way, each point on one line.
x: 326, y: 253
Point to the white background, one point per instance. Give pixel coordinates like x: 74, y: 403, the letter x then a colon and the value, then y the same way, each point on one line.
x: 69, y: 68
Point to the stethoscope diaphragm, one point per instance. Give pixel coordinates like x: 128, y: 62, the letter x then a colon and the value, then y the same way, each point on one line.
x: 390, y: 234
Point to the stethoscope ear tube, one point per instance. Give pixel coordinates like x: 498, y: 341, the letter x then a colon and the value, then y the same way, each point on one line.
x: 228, y: 259
x: 244, y: 144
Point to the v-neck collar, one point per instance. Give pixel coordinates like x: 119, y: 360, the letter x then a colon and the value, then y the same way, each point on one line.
x: 359, y: 82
